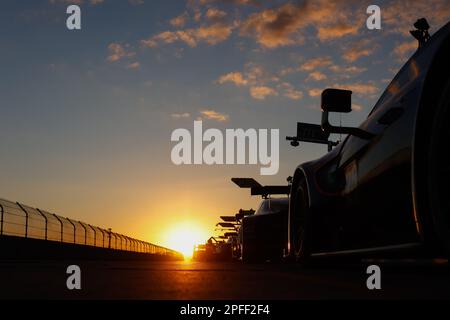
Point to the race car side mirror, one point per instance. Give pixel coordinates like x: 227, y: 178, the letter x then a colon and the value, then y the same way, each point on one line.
x: 337, y: 100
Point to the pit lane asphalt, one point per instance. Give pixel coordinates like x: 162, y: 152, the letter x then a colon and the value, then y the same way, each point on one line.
x: 329, y: 279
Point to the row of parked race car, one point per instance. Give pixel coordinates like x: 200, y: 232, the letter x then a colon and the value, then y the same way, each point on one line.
x: 383, y: 187
x: 251, y: 235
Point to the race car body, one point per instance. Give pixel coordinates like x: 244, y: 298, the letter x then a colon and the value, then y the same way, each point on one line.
x: 385, y: 184
x: 264, y: 233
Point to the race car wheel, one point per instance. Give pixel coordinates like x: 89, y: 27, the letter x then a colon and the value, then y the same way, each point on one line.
x: 300, y: 223
x: 438, y: 182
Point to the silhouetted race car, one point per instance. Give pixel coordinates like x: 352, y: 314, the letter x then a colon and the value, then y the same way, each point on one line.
x: 263, y: 235
x: 213, y: 250
x: 386, y: 185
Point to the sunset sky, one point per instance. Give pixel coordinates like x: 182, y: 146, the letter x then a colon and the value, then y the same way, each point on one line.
x: 87, y: 115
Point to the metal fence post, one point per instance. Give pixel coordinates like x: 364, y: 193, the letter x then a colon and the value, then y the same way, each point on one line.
x: 85, y: 232
x: 103, y: 237
x: 26, y: 219
x: 95, y: 235
x: 1, y: 220
x: 46, y: 221
x: 62, y: 226
x: 109, y: 241
x: 74, y: 230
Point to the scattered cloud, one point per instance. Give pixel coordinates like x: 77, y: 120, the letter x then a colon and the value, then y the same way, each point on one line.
x: 215, y: 14
x: 287, y: 24
x: 347, y: 70
x: 290, y: 92
x: 336, y: 31
x: 359, y: 88
x: 316, y: 76
x: 356, y: 107
x: 315, y: 63
x: 398, y: 17
x: 211, y: 34
x: 359, y: 49
x: 118, y: 51
x: 134, y: 65
x: 180, y: 115
x: 179, y: 21
x: 214, y: 115
x: 402, y: 51
x: 215, y: 33
x: 315, y: 92
x: 274, y: 27
x: 261, y: 92
x: 235, y: 77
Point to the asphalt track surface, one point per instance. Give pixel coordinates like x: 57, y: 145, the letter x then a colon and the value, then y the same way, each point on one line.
x: 327, y: 279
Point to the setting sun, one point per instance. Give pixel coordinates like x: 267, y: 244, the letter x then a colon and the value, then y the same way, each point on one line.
x: 184, y: 237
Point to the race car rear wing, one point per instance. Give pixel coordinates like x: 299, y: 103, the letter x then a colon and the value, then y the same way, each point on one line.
x: 256, y: 189
x: 226, y: 225
x: 228, y: 218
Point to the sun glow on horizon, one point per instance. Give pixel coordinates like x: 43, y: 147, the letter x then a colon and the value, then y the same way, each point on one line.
x: 184, y: 237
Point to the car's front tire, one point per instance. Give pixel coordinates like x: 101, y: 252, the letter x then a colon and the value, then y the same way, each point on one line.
x: 300, y: 223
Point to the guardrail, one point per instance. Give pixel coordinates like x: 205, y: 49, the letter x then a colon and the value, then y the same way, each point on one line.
x: 19, y: 220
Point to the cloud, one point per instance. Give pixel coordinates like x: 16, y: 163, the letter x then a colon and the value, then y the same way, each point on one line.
x: 316, y: 76
x: 180, y: 115
x: 359, y: 88
x: 288, y: 24
x: 274, y: 27
x: 347, y: 70
x: 290, y: 92
x: 211, y: 34
x: 179, y: 21
x: 354, y: 54
x: 214, y: 115
x: 315, y: 92
x: 261, y: 92
x: 356, y: 107
x: 134, y: 65
x: 215, y: 14
x: 362, y: 48
x: 118, y: 51
x: 402, y: 51
x: 214, y: 34
x: 398, y: 16
x: 316, y: 63
x: 337, y: 31
x: 235, y: 77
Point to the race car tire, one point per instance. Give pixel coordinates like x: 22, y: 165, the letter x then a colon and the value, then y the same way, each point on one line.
x: 438, y: 171
x: 300, y: 223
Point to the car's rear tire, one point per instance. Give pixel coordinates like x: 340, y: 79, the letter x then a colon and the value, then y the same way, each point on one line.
x: 438, y: 171
x: 300, y: 223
